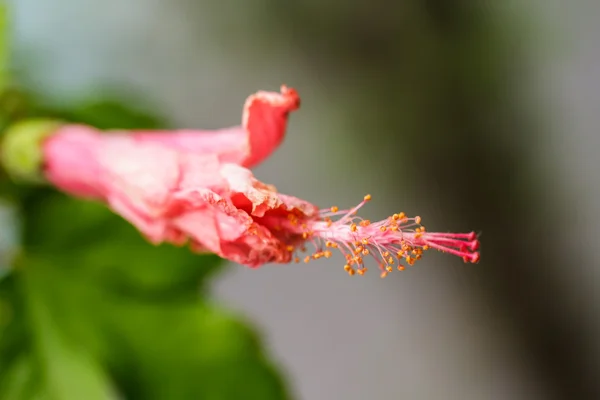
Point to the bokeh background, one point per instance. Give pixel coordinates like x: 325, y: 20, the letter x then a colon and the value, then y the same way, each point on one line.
x: 476, y: 115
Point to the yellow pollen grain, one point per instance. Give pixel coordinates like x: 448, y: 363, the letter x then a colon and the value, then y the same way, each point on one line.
x: 400, y: 267
x: 353, y: 227
x: 426, y: 247
x: 386, y: 253
x: 365, y: 241
x: 351, y: 272
x: 389, y: 268
x: 390, y: 260
x: 306, y: 259
x: 367, y: 197
x: 327, y: 253
x: 382, y: 228
x: 347, y: 267
x: 417, y: 219
x: 361, y: 271
x: 383, y: 274
x: 334, y: 209
x: 365, y: 252
x: 401, y: 215
x: 290, y: 248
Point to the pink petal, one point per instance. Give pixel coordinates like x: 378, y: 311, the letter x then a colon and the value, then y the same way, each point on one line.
x: 264, y: 122
x: 70, y: 160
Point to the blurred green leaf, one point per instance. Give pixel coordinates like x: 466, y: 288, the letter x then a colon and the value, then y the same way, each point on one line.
x: 105, y: 303
x: 110, y: 113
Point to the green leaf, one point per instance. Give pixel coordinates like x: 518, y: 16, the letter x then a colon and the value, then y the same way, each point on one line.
x: 68, y: 369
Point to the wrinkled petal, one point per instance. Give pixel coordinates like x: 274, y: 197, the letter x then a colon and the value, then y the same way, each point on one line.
x: 176, y: 196
x: 230, y: 232
x: 264, y: 123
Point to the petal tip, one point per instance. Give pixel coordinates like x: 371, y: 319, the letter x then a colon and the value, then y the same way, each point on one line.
x: 291, y: 96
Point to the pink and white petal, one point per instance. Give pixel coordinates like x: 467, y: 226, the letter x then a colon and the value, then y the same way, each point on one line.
x: 144, y: 174
x: 70, y: 160
x: 264, y: 122
x: 265, y: 119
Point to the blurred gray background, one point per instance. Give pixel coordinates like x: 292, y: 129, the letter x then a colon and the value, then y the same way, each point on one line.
x: 377, y: 118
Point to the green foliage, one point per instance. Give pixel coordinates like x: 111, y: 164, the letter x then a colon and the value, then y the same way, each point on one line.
x: 104, y: 311
x: 93, y: 311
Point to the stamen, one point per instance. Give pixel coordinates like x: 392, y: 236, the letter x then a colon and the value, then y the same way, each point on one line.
x: 388, y: 241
